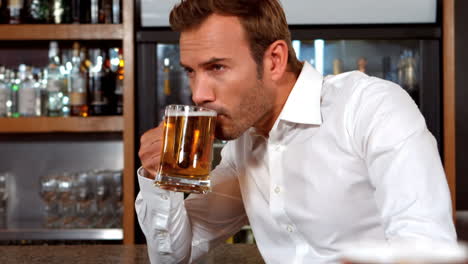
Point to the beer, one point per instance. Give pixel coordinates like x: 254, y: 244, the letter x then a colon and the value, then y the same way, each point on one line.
x: 187, y: 149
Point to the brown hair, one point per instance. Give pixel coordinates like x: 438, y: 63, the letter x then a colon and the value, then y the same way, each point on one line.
x: 264, y: 22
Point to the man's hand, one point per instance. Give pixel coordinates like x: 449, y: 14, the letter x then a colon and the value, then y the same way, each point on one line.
x: 150, y: 150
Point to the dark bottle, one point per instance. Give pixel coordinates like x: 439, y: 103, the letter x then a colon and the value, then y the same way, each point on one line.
x: 99, y: 85
x: 4, y: 12
x: 67, y: 14
x: 35, y: 11
x: 119, y: 85
x: 116, y: 65
x: 389, y: 69
x: 75, y: 11
x: 105, y: 11
x: 85, y: 11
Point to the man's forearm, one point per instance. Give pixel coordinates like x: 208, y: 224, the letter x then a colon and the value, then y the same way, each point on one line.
x: 163, y: 219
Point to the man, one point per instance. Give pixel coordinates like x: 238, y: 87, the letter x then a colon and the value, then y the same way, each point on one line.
x: 312, y: 163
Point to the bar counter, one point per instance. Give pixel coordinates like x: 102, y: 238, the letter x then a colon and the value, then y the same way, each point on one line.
x: 115, y: 254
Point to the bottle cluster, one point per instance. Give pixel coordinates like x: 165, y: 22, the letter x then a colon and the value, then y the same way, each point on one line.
x: 402, y: 70
x: 82, y: 82
x: 60, y: 11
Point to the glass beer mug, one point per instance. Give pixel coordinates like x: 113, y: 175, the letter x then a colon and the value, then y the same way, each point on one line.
x: 187, y: 149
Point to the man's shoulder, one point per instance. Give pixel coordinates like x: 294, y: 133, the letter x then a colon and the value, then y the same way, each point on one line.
x: 355, y: 94
x: 356, y: 81
x: 359, y: 87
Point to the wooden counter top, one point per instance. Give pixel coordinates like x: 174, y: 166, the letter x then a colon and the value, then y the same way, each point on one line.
x: 115, y: 254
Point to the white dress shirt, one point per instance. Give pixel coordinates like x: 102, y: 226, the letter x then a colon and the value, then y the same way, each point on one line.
x: 349, y: 158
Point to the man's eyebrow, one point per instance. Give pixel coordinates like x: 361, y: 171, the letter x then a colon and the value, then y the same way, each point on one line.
x: 211, y: 61
x: 208, y: 62
x: 184, y: 66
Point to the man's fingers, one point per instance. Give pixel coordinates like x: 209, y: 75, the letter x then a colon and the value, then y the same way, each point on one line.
x: 150, y: 149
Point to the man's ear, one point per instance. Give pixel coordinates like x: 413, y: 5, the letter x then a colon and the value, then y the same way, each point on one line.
x: 275, y: 60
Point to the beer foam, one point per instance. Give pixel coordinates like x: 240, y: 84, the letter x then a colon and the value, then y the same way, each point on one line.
x: 411, y: 251
x: 175, y: 112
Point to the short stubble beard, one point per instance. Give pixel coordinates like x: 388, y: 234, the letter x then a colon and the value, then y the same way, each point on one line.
x: 254, y: 106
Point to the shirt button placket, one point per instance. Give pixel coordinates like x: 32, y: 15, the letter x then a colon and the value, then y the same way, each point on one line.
x: 277, y: 190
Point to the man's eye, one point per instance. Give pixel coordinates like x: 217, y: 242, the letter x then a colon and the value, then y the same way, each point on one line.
x: 217, y: 67
x: 189, y: 72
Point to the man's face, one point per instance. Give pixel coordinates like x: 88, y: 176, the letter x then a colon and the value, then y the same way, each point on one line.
x: 223, y: 74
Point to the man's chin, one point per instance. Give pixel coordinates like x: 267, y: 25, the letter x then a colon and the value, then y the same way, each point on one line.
x: 227, y: 129
x: 224, y: 134
x: 221, y: 135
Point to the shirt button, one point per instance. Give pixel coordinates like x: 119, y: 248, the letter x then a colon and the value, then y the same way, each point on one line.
x: 164, y: 197
x: 277, y: 190
x: 290, y: 228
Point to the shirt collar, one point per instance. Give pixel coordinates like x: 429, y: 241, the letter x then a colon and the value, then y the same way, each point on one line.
x: 303, y: 103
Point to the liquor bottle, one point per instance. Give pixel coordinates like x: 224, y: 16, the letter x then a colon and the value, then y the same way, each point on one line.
x: 67, y: 14
x: 85, y: 11
x: 410, y: 72
x: 7, y: 82
x: 407, y: 74
x: 119, y: 85
x: 110, y: 79
x: 14, y: 7
x: 65, y: 70
x: 388, y: 69
x: 362, y: 64
x: 36, y: 77
x: 172, y: 82
x: 25, y: 12
x: 56, y: 84
x: 116, y: 77
x: 56, y: 11
x: 105, y: 12
x: 36, y: 12
x: 98, y: 96
x: 85, y: 61
x: 28, y: 92
x: 166, y: 77
x: 78, y: 89
x: 4, y: 12
x: 12, y: 104
x: 60, y: 12
x: 94, y: 11
x: 75, y: 11
x: 4, y: 92
x: 42, y: 83
x: 337, y: 66
x: 116, y: 12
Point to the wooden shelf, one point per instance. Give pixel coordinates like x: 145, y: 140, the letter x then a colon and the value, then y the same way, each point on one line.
x: 61, y: 32
x: 61, y: 124
x: 122, y: 124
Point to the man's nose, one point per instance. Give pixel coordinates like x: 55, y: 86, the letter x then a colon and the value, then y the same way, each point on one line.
x: 202, y: 91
